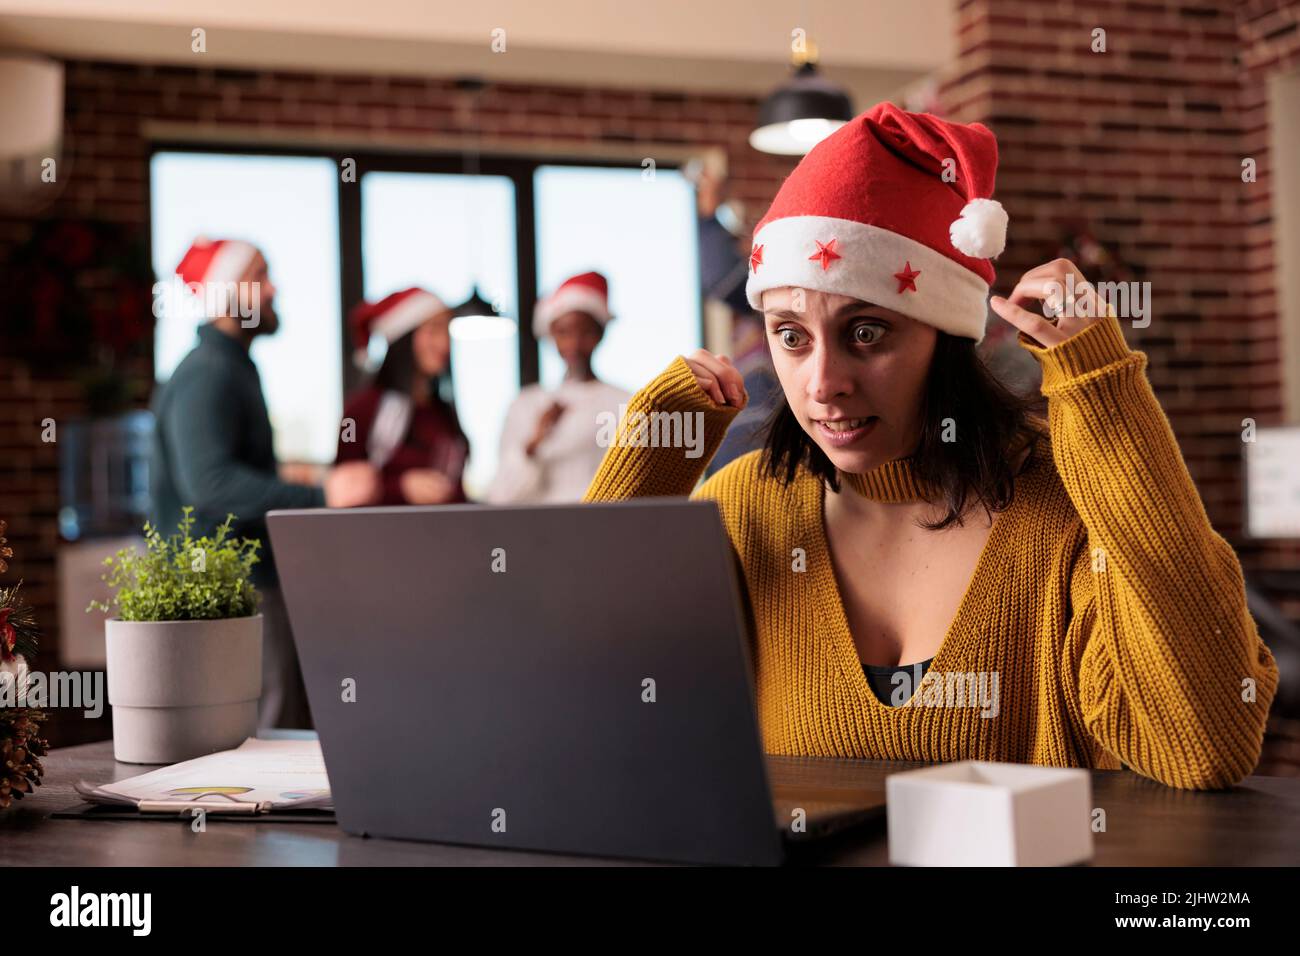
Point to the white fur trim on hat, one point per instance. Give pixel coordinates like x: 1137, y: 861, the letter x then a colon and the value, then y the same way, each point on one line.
x: 947, y: 295
x: 230, y: 262
x: 572, y: 298
x: 218, y: 293
x: 981, y: 230
x: 407, y: 315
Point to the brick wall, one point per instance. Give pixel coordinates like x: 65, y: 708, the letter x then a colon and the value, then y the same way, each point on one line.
x: 1144, y: 143
x: 1269, y: 33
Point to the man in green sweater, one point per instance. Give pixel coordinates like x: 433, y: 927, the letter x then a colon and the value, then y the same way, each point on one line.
x: 213, y: 449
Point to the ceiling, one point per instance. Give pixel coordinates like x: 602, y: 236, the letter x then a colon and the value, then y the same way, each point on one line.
x: 873, y: 48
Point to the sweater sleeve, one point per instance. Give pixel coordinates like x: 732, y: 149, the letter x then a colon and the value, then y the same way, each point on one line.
x: 519, y: 477
x: 640, y: 462
x: 1169, y: 672
x: 204, y: 432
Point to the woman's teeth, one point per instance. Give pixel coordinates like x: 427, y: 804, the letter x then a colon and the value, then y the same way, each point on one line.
x: 847, y: 425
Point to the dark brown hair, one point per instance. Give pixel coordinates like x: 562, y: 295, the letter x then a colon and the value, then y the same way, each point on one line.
x: 995, y: 424
x: 399, y: 373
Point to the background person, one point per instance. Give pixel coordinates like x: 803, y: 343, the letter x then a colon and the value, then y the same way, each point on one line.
x: 213, y: 449
x: 549, y: 450
x: 402, y: 425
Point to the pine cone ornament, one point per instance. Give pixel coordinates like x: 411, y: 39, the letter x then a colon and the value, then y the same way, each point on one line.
x: 21, y: 747
x: 21, y: 743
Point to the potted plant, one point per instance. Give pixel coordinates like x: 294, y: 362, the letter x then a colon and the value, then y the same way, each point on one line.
x: 184, y: 644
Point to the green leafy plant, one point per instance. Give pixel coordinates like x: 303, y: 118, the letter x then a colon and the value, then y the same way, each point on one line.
x: 182, y: 578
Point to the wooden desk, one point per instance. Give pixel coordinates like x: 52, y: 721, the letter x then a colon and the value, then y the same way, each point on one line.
x: 1255, y: 824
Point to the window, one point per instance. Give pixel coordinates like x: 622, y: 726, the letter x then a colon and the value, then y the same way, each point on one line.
x: 640, y: 233
x: 288, y: 207
x: 449, y: 233
x: 516, y: 231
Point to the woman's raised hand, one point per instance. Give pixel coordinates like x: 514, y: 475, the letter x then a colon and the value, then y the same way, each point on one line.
x: 720, y: 379
x: 1070, y: 298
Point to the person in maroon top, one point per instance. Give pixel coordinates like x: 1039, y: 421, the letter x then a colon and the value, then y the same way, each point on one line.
x: 398, y: 421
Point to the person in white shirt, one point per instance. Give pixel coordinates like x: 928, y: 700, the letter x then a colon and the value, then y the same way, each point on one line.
x: 549, y: 446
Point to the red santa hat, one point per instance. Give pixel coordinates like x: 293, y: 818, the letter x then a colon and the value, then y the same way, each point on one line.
x: 588, y: 292
x: 218, y: 262
x: 391, y: 317
x: 893, y: 208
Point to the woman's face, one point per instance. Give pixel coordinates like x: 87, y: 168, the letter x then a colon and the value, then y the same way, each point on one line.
x: 854, y: 374
x: 431, y: 345
x: 576, y: 336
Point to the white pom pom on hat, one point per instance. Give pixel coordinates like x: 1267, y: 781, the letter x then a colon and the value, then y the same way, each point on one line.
x: 981, y: 230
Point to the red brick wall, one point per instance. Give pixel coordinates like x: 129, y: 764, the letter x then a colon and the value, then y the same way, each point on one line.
x: 1144, y: 144
x: 1269, y: 33
x: 104, y: 175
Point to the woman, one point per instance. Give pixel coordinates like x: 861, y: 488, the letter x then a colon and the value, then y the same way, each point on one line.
x: 398, y: 421
x: 1060, y: 580
x: 549, y: 447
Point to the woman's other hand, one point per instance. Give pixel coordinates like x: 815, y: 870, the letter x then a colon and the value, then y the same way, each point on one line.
x: 545, y: 425
x: 352, y: 484
x: 424, y: 486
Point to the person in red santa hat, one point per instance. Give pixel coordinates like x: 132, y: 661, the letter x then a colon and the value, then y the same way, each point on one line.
x: 213, y: 450
x: 549, y: 448
x: 398, y: 421
x: 910, y: 521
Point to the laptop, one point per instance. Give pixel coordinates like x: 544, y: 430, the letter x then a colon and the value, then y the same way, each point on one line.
x: 563, y: 678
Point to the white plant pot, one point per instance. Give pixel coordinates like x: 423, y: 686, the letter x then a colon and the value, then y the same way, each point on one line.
x: 182, y: 689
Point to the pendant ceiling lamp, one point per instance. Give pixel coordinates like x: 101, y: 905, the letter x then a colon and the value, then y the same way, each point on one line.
x: 476, y: 318
x: 797, y: 116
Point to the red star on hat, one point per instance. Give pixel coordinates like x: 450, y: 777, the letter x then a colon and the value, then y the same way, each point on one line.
x: 756, y: 258
x: 907, y: 278
x: 826, y: 253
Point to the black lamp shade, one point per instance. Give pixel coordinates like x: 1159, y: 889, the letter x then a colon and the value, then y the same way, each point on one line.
x: 798, y: 115
x: 474, y: 307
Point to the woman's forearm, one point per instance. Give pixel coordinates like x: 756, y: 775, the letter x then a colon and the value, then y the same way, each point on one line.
x: 1174, y: 679
x: 661, y: 447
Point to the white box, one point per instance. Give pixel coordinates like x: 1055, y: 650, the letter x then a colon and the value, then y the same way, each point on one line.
x: 979, y: 813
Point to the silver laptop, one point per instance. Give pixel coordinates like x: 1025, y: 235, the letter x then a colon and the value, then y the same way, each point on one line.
x: 565, y: 678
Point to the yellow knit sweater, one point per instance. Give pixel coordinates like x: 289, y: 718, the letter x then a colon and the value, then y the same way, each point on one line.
x: 1106, y: 619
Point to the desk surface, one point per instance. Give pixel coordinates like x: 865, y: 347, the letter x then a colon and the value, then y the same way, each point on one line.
x: 1256, y: 824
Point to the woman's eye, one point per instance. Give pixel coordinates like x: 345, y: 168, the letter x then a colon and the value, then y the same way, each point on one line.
x: 789, y: 338
x: 868, y: 333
